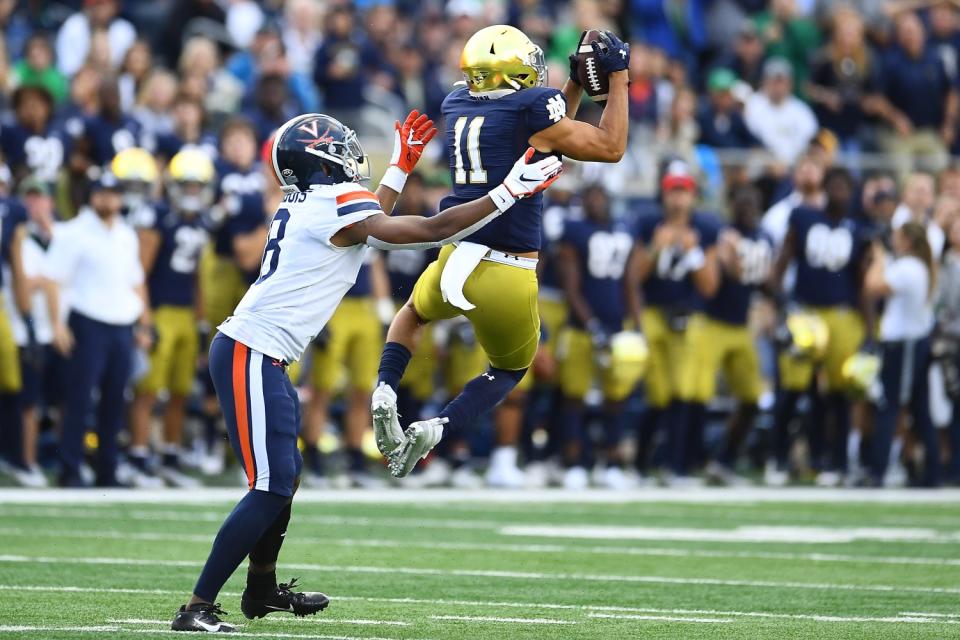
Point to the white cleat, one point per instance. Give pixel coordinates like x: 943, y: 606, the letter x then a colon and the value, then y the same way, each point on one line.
x: 418, y: 440
x: 576, y: 479
x: 536, y: 475
x: 386, y: 421
x: 773, y: 476
x: 32, y: 477
x: 177, y: 478
x: 503, y: 472
x: 724, y: 475
x: 828, y: 479
x: 437, y: 473
x: 616, y: 479
x: 464, y: 478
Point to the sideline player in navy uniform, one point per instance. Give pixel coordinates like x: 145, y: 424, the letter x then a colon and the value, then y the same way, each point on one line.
x: 674, y: 263
x: 723, y: 341
x: 491, y: 277
x: 170, y: 249
x: 830, y: 248
x: 31, y: 142
x: 318, y: 238
x: 592, y: 257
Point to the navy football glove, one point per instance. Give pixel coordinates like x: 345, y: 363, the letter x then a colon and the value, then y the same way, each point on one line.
x: 574, y: 67
x: 616, y: 56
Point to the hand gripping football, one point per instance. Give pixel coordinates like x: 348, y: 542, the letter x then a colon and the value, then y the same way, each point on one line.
x: 592, y: 78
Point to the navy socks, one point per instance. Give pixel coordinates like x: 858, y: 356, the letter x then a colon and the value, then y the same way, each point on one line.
x: 238, y: 536
x: 479, y: 395
x: 393, y: 362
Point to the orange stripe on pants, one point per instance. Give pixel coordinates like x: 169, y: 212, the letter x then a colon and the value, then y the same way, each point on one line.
x: 240, y: 352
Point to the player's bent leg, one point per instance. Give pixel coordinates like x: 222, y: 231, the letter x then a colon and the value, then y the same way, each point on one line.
x: 251, y: 387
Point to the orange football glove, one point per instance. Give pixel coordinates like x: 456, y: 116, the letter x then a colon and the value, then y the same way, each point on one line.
x: 409, y: 140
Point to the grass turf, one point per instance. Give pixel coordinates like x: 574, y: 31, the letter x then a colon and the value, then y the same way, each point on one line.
x: 455, y: 571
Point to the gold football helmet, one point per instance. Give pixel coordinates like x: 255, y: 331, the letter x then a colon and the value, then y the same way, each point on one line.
x: 136, y: 170
x: 501, y: 58
x: 861, y: 373
x: 808, y: 335
x: 628, y: 356
x: 190, y: 181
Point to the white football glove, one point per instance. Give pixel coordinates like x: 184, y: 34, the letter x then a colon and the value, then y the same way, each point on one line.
x: 419, y: 439
x: 526, y: 179
x: 386, y: 421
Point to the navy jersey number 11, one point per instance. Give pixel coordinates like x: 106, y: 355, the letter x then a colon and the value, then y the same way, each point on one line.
x: 277, y: 228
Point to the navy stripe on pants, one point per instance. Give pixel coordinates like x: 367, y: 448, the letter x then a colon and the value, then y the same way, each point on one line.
x: 102, y: 359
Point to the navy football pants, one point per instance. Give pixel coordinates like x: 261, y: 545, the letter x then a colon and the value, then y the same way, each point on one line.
x: 262, y: 413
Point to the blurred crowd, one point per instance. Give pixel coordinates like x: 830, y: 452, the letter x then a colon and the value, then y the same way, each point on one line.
x: 135, y: 206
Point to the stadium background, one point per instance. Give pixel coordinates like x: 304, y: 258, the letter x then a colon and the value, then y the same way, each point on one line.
x: 170, y: 74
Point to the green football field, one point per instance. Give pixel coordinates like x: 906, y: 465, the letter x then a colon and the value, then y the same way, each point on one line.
x: 462, y: 566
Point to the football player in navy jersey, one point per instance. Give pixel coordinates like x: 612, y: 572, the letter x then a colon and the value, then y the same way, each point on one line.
x: 829, y: 247
x: 111, y: 131
x: 13, y: 218
x: 170, y: 248
x: 724, y: 341
x: 674, y: 266
x: 31, y: 142
x: 491, y: 277
x: 348, y: 346
x: 592, y: 257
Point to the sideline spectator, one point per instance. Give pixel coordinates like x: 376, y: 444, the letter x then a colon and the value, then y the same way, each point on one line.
x: 844, y: 75
x: 720, y: 118
x: 781, y: 121
x: 75, y: 38
x: 94, y: 258
x: 923, y: 103
x: 907, y: 281
x: 37, y: 68
x: 343, y: 64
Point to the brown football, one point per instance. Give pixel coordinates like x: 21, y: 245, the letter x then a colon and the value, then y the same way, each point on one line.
x: 593, y: 80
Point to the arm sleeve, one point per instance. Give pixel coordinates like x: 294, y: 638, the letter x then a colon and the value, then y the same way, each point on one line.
x: 547, y: 108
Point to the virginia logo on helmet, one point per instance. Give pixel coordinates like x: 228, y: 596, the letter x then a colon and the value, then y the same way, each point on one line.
x: 331, y: 157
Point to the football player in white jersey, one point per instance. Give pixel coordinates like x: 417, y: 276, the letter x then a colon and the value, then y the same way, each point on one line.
x: 314, y: 251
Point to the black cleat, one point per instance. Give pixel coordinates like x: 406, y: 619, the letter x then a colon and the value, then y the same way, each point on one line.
x: 283, y: 599
x: 201, y: 617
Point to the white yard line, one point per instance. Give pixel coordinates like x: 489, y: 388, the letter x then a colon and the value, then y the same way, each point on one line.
x: 597, y: 611
x: 509, y: 620
x: 664, y: 618
x: 312, y: 620
x: 706, y: 495
x: 412, y: 522
x: 764, y: 534
x: 498, y: 548
x: 128, y: 629
x: 517, y: 575
x: 20, y: 628
x: 902, y: 618
x: 111, y: 534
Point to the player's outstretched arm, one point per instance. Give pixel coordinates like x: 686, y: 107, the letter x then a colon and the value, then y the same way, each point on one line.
x: 606, y: 142
x: 409, y: 141
x: 416, y: 232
